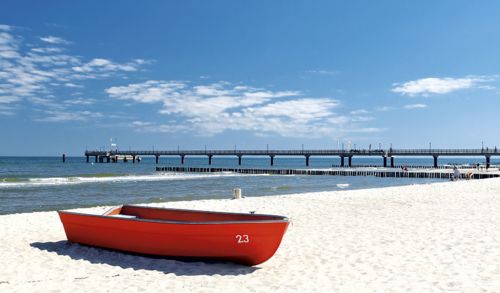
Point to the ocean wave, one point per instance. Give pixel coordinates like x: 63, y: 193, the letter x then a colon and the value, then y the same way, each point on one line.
x: 97, y: 178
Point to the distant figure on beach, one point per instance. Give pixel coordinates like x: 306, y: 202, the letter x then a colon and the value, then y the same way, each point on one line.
x: 456, y: 174
x: 469, y: 175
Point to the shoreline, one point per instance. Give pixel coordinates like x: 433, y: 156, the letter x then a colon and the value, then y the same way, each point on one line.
x: 436, y: 236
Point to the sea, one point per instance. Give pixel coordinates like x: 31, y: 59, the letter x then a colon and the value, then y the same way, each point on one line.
x: 29, y: 184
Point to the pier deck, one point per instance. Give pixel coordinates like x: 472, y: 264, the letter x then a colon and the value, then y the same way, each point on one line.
x: 345, y: 155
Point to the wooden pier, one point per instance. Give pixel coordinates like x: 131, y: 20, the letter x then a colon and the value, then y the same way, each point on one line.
x: 388, y: 155
x: 433, y: 174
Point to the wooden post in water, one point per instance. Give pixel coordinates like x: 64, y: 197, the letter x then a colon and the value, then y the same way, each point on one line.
x: 64, y: 158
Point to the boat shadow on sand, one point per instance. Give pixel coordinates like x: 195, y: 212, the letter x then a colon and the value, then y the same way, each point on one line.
x: 177, y: 266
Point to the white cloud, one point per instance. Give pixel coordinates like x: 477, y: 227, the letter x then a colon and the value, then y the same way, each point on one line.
x: 307, y: 109
x: 360, y: 112
x: 80, y: 101
x: 362, y: 118
x: 4, y: 27
x: 47, y: 50
x: 72, y: 85
x: 384, y: 109
x: 35, y: 74
x: 215, y: 108
x: 433, y: 85
x: 415, y: 106
x: 140, y: 123
x: 6, y: 110
x: 64, y: 116
x: 54, y: 40
x: 322, y: 72
x: 105, y: 65
x: 7, y: 99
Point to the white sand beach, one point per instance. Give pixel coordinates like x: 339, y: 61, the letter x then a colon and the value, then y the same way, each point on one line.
x: 420, y: 238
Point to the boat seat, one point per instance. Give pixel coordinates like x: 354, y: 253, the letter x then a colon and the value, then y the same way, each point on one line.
x: 123, y: 216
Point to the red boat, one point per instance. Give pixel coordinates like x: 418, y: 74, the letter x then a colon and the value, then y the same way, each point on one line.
x: 249, y: 239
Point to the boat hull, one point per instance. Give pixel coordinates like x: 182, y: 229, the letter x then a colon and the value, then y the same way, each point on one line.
x: 247, y: 241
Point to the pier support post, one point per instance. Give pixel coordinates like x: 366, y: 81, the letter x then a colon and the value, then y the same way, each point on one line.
x: 133, y: 159
x: 350, y: 161
x: 392, y: 162
x: 87, y: 159
x: 488, y: 162
x: 307, y: 160
x: 157, y: 159
x: 182, y: 159
x: 125, y: 160
x: 435, y: 161
x: 239, y: 160
x: 272, y: 160
x: 385, y: 161
x: 341, y: 161
x: 96, y: 158
x: 108, y: 159
x: 210, y: 159
x: 64, y: 158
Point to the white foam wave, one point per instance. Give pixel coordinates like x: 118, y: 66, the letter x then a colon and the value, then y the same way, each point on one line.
x: 343, y: 185
x: 54, y: 181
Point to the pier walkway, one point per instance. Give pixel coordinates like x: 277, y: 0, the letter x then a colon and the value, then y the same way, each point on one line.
x: 387, y: 155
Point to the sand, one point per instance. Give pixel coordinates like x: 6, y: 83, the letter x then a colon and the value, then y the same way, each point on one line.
x: 421, y: 238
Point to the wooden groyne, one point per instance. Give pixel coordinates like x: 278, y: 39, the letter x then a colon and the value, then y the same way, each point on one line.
x: 449, y: 166
x: 337, y: 172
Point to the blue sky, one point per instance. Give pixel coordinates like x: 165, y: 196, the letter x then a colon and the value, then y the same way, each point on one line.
x: 224, y: 73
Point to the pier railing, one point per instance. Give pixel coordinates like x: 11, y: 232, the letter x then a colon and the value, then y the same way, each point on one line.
x: 332, y: 152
